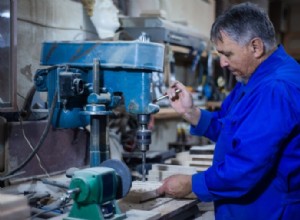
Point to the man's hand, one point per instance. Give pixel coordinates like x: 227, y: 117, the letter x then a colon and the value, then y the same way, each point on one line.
x: 176, y: 186
x: 183, y: 103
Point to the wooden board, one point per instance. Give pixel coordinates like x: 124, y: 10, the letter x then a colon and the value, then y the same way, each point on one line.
x: 13, y: 207
x: 200, y: 160
x: 135, y: 214
x: 167, y: 207
x: 145, y: 191
x: 142, y: 191
x: 206, y: 149
x: 200, y: 163
x: 161, y: 171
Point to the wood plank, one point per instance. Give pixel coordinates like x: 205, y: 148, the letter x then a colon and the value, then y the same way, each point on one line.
x: 205, y: 149
x: 135, y: 214
x: 174, y: 168
x: 167, y: 207
x: 200, y: 163
x: 176, y: 207
x: 142, y: 191
x: 201, y: 156
x: 157, y: 175
x: 200, y: 169
x: 160, y: 172
x: 13, y: 207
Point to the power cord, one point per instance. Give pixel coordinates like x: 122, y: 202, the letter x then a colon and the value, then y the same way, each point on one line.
x: 41, y: 141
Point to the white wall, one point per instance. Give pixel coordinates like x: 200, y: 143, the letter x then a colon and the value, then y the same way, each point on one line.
x: 197, y: 14
x: 46, y: 20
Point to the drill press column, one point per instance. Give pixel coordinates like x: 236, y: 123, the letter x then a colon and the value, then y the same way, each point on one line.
x: 99, y: 150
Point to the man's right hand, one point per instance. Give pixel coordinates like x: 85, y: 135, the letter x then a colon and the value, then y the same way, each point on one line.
x: 182, y: 103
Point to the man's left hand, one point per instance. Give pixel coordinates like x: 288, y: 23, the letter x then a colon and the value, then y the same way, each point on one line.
x: 176, y: 186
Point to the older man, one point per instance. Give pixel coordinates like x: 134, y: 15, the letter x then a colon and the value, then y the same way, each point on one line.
x: 256, y: 166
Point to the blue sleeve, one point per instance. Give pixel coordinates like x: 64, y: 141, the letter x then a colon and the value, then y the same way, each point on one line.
x: 204, y: 122
x: 209, y: 124
x: 253, y: 142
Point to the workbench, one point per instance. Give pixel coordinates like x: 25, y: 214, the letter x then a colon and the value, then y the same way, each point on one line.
x: 143, y: 202
x: 162, y: 208
x: 159, y: 209
x: 156, y: 208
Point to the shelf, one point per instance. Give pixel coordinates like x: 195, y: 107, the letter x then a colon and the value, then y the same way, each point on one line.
x: 166, y: 113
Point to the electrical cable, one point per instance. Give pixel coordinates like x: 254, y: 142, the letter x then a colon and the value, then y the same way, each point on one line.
x: 50, y: 210
x: 30, y: 145
x: 26, y: 108
x: 41, y: 141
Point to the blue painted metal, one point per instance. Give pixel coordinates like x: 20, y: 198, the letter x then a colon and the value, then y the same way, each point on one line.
x: 125, y: 68
x: 123, y: 54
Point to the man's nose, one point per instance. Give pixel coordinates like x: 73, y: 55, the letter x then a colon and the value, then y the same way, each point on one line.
x: 223, y: 61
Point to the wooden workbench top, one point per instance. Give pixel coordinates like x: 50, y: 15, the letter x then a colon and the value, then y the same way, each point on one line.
x: 143, y: 197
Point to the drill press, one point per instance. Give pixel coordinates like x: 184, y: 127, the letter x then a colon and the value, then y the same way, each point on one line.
x: 86, y: 81
x: 90, y: 79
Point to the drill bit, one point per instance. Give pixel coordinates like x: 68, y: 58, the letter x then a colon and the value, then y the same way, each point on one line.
x: 144, y: 166
x: 165, y: 96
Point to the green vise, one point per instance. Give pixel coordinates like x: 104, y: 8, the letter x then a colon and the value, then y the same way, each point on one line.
x: 95, y: 191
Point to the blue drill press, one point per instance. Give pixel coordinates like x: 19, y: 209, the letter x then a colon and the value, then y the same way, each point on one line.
x: 85, y: 81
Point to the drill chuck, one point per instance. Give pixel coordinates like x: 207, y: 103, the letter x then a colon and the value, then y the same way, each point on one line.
x: 143, y: 139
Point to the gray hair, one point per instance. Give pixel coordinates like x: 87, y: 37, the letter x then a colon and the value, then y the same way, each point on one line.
x: 242, y: 23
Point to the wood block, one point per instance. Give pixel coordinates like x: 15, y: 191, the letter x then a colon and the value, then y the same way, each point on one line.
x: 134, y: 214
x: 200, y: 163
x: 201, y: 169
x: 206, y: 149
x: 201, y: 156
x: 157, y: 175
x: 13, y: 207
x: 167, y: 207
x: 160, y: 172
x: 142, y: 191
x: 173, y: 168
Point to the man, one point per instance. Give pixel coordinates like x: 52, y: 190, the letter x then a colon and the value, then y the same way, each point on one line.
x: 256, y: 166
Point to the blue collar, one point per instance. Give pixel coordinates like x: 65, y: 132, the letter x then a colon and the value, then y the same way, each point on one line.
x: 265, y: 68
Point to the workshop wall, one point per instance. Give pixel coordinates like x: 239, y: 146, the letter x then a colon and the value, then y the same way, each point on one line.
x: 49, y: 20
x: 198, y: 14
x: 46, y: 20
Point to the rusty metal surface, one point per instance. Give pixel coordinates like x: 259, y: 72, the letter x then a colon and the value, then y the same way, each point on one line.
x: 3, y: 128
x: 8, y: 60
x: 62, y: 149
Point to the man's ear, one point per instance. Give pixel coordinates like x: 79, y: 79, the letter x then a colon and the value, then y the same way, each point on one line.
x: 257, y: 47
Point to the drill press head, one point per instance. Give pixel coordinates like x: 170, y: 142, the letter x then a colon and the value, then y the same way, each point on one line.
x: 124, y: 69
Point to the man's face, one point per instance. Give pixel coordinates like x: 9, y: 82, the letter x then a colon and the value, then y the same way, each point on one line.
x: 239, y: 60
